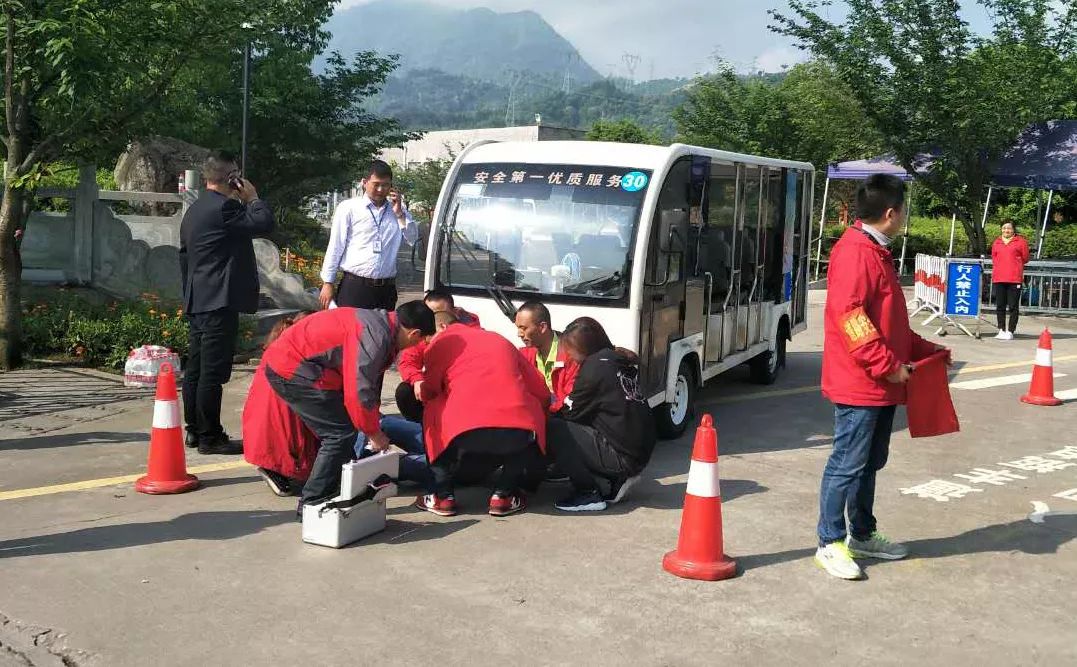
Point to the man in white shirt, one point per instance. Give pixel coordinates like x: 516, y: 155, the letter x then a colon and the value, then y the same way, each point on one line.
x: 364, y: 241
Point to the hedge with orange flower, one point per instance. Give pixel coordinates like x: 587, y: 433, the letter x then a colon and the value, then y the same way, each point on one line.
x: 68, y: 325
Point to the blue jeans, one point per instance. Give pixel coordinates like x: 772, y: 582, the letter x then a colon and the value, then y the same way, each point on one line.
x: 861, y: 447
x: 408, y: 436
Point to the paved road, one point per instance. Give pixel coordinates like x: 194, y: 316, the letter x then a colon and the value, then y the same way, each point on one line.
x: 94, y: 573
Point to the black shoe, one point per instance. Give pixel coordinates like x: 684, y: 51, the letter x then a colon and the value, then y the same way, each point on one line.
x: 220, y: 445
x: 277, y: 483
x: 191, y: 440
x: 586, y: 501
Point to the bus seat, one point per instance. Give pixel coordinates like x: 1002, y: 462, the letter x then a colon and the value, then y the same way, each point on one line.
x: 539, y: 252
x: 601, y: 251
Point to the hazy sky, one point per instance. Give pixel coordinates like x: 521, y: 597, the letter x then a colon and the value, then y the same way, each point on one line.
x: 674, y: 37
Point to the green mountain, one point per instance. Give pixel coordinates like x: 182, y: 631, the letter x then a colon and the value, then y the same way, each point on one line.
x: 476, y: 43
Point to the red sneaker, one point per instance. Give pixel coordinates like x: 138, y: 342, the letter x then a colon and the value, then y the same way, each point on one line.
x: 504, y: 504
x: 441, y: 506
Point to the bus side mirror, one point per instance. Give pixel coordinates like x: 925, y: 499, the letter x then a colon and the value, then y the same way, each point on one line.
x: 672, y: 230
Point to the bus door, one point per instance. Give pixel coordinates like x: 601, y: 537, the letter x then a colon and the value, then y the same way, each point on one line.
x: 664, y: 277
x: 802, y: 223
x: 718, y: 258
x: 749, y: 287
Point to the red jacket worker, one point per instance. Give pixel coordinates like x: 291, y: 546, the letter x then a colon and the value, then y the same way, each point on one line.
x: 359, y: 345
x: 867, y: 349
x: 410, y: 362
x: 1009, y: 254
x: 480, y: 397
x: 543, y: 352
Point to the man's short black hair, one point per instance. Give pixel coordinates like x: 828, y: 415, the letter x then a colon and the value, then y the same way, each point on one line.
x: 416, y: 315
x: 878, y: 193
x: 440, y: 294
x: 538, y: 311
x: 381, y: 169
x: 218, y: 167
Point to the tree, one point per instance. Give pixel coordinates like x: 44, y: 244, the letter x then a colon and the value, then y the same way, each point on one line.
x: 422, y: 184
x: 927, y: 84
x: 622, y: 131
x: 808, y: 114
x: 308, y: 133
x: 80, y: 77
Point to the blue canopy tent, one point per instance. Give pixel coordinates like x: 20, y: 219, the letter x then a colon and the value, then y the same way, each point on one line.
x: 859, y: 170
x: 1043, y: 158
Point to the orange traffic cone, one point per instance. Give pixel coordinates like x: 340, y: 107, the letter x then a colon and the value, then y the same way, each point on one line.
x: 1042, y: 389
x: 699, y: 553
x: 167, y: 468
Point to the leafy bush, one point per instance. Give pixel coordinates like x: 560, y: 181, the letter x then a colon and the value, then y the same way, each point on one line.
x: 102, y: 334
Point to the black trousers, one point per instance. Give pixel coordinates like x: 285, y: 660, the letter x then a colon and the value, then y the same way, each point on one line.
x: 324, y: 414
x: 355, y: 292
x: 410, y: 407
x: 515, y: 447
x: 582, y: 453
x: 212, y: 344
x: 1007, y: 298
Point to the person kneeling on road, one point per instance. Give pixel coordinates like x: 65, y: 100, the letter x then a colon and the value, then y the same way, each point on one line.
x: 867, y: 349
x: 359, y: 345
x: 605, y: 429
x: 480, y: 397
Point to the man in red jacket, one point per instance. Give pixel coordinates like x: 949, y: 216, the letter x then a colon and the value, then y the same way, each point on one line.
x: 359, y: 345
x: 480, y: 397
x: 543, y: 352
x: 867, y: 350
x: 410, y: 362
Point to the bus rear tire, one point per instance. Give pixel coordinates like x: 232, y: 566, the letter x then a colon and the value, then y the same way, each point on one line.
x: 766, y: 367
x: 673, y: 418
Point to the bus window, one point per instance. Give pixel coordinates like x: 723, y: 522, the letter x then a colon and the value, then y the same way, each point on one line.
x: 749, y: 232
x: 717, y: 256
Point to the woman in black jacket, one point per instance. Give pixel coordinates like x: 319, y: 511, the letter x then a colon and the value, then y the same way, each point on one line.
x: 605, y: 428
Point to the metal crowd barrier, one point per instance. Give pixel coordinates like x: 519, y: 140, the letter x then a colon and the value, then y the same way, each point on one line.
x: 1050, y: 287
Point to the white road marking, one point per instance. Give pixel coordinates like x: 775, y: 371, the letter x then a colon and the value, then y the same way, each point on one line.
x: 997, y: 382
x: 1067, y: 395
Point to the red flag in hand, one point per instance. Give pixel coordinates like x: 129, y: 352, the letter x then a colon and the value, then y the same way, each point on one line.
x: 929, y: 406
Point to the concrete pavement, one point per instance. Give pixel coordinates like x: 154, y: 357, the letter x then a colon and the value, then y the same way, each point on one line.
x: 103, y: 575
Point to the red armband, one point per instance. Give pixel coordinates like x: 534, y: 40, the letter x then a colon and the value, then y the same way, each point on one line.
x: 857, y: 329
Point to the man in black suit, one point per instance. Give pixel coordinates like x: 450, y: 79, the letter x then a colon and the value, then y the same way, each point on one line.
x: 220, y: 281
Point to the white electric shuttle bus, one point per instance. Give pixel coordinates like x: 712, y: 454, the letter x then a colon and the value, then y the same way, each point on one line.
x: 694, y: 258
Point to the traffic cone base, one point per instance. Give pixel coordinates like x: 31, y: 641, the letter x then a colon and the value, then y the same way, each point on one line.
x: 152, y: 487
x: 1042, y: 389
x: 715, y: 571
x: 699, y: 553
x: 166, y: 471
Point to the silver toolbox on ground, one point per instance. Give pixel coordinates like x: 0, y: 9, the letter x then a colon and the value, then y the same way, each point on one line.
x: 336, y: 527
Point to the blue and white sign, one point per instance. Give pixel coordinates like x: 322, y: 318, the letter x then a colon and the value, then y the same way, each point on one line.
x: 634, y: 181
x: 963, y: 285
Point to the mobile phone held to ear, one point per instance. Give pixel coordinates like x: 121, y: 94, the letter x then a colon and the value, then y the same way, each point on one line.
x: 236, y: 181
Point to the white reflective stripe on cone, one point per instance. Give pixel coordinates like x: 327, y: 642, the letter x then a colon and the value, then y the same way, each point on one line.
x: 703, y: 480
x: 166, y: 414
x: 1043, y: 357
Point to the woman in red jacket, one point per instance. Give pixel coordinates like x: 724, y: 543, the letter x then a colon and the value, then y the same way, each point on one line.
x: 1009, y: 254
x: 275, y: 439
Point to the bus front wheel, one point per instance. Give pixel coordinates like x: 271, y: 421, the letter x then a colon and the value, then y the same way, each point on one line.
x: 765, y: 367
x: 672, y: 418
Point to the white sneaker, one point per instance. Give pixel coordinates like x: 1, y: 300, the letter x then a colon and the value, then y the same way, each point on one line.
x: 1008, y: 335
x: 1001, y: 335
x: 837, y: 561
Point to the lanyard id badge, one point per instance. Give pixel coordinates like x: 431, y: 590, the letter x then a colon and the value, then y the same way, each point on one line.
x: 377, y: 217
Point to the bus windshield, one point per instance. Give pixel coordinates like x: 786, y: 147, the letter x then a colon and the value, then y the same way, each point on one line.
x: 548, y: 228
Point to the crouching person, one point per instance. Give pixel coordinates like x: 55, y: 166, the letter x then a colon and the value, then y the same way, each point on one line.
x: 359, y: 345
x: 480, y: 397
x: 605, y: 430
